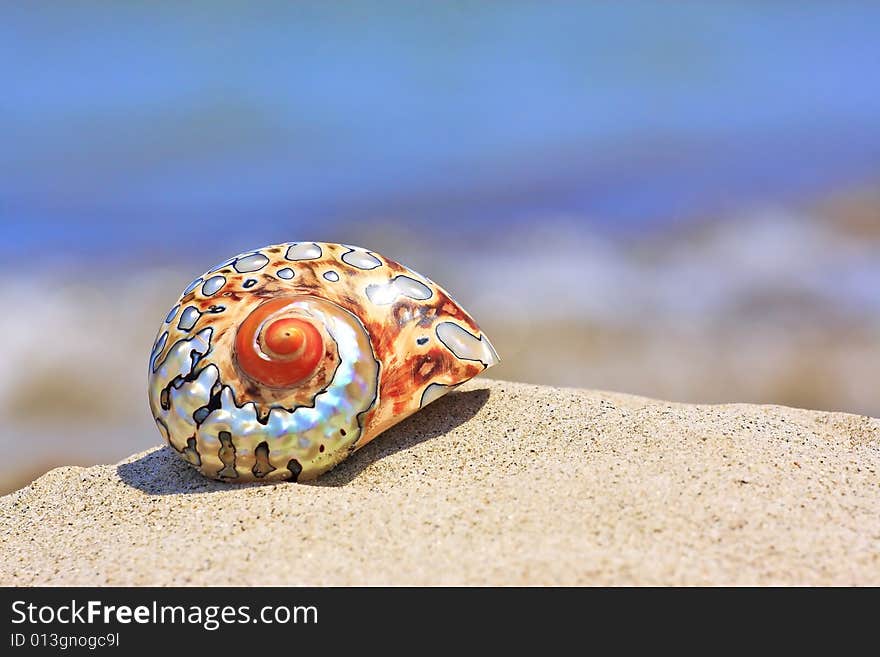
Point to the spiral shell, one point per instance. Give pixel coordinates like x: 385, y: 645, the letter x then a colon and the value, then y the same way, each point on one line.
x: 279, y: 363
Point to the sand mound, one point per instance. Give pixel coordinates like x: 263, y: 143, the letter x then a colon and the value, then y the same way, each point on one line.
x: 500, y: 483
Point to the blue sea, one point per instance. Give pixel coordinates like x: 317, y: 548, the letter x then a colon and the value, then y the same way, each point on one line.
x: 159, y: 128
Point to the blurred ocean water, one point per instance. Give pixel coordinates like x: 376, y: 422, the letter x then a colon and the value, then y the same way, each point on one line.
x: 156, y: 127
x: 677, y: 200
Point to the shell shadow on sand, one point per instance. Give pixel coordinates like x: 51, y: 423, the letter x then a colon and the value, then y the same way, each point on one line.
x: 162, y: 472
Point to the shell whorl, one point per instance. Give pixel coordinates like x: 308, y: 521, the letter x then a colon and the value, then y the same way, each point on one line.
x: 280, y: 362
x: 277, y: 346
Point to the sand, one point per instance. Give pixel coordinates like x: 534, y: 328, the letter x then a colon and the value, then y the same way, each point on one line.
x: 499, y: 483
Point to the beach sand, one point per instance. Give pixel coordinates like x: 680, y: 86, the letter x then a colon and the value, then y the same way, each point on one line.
x: 498, y: 483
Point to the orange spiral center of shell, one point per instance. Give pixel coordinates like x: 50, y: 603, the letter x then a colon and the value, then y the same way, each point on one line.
x: 278, y: 351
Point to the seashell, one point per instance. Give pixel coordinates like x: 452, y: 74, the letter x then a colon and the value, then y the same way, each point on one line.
x: 280, y: 362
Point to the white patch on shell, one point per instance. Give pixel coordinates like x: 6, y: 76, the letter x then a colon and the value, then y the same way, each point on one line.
x: 433, y: 392
x: 171, y: 314
x: 178, y: 362
x: 188, y: 318
x: 184, y: 397
x: 383, y: 294
x: 331, y: 276
x: 184, y: 400
x: 192, y: 286
x: 465, y: 345
x: 253, y: 262
x: 213, y: 285
x: 158, y: 347
x: 361, y: 259
x: 303, y: 251
x: 286, y: 273
x: 223, y: 264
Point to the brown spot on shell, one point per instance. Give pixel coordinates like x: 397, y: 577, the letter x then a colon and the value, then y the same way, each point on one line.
x: 226, y: 454
x: 295, y: 469
x: 415, y: 371
x: 190, y: 453
x: 262, y: 467
x: 396, y: 267
x: 402, y: 312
